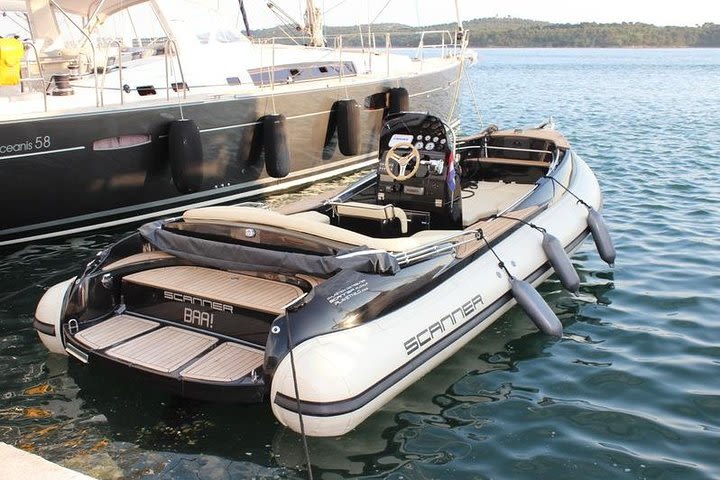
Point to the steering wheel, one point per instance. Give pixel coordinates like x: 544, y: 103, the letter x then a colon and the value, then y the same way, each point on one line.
x: 402, y: 161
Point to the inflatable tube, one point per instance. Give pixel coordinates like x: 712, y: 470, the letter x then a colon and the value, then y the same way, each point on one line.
x: 398, y: 100
x: 348, y: 126
x: 48, y: 315
x: 277, y: 155
x: 186, y: 156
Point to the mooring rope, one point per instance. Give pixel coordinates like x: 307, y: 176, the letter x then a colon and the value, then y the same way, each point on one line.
x: 501, y: 264
x: 524, y: 222
x: 291, y: 345
x: 557, y: 182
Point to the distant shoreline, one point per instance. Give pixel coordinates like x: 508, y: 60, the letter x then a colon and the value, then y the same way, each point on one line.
x: 520, y: 33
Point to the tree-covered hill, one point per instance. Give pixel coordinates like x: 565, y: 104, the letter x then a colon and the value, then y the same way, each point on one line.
x: 513, y: 32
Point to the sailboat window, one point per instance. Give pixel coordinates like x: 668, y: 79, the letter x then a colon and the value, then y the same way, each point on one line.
x: 302, y: 72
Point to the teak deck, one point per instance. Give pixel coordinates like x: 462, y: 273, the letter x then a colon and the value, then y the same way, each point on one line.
x: 255, y: 293
x: 139, y: 342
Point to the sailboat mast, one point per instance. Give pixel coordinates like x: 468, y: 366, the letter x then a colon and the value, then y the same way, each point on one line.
x: 460, y: 32
x: 313, y: 24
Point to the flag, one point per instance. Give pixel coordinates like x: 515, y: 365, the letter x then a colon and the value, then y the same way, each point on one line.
x: 451, y: 174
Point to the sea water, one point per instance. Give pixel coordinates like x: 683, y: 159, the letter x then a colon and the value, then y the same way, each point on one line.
x: 631, y: 391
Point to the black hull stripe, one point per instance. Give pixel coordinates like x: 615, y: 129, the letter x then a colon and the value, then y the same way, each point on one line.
x: 44, y: 327
x: 342, y: 407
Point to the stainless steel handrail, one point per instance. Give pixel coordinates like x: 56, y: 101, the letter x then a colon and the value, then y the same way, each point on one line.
x: 434, y: 248
x: 171, y: 43
x: 41, y: 78
x: 105, y: 69
x: 92, y: 47
x: 447, y: 42
x: 512, y: 149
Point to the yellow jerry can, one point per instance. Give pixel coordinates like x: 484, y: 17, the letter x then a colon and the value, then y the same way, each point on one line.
x: 11, y: 53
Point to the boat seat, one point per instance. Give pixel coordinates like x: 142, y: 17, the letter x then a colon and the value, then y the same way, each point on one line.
x: 259, y: 216
x: 372, y: 212
x: 312, y: 216
x: 491, y: 198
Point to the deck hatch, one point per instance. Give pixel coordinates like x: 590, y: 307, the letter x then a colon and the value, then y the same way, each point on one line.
x: 114, y: 330
x: 255, y: 293
x: 164, y: 350
x: 226, y: 363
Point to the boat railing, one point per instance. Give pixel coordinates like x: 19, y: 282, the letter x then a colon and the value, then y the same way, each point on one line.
x: 92, y: 48
x: 171, y: 51
x: 485, y: 152
x: 40, y: 78
x: 450, y: 44
x: 119, y: 45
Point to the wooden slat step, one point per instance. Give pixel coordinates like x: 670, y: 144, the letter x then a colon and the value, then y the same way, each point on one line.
x: 164, y: 350
x: 114, y: 330
x: 259, y: 294
x: 226, y: 363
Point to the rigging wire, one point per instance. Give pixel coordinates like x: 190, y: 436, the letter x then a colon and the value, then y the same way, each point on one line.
x: 380, y: 12
x: 474, y: 98
x: 5, y: 15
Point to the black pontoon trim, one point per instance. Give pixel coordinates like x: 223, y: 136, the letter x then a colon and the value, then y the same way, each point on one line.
x: 342, y: 407
x: 44, y: 327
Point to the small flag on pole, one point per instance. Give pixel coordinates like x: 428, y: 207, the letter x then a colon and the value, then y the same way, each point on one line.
x: 451, y: 175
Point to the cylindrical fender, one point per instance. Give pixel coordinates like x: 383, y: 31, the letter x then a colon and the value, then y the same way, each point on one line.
x: 277, y: 154
x: 536, y: 308
x: 560, y: 262
x: 398, y: 100
x: 601, y: 236
x: 348, y: 126
x: 186, y: 156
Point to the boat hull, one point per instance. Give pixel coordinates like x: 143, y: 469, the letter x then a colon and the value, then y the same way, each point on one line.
x: 67, y: 174
x: 338, y: 386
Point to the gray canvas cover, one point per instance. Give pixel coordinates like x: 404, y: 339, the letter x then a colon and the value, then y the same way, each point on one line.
x: 242, y: 257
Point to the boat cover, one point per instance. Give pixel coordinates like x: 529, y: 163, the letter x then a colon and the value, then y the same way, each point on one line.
x: 243, y: 257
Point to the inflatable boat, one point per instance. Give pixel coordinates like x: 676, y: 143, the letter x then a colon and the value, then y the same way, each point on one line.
x: 329, y: 307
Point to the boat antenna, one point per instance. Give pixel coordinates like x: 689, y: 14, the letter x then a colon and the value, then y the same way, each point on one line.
x: 245, y: 18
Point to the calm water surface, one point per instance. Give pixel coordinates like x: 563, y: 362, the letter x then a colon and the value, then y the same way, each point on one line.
x: 631, y: 391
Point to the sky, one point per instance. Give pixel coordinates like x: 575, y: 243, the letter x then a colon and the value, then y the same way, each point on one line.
x: 427, y: 12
